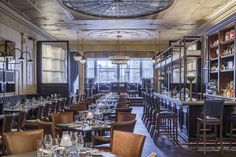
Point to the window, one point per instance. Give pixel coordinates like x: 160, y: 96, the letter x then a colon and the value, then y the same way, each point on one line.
x: 106, y: 72
x: 54, y: 63
x: 90, y: 68
x: 147, y: 68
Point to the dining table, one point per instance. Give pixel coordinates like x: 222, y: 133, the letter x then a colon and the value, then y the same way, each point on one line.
x: 89, y: 127
x: 34, y: 154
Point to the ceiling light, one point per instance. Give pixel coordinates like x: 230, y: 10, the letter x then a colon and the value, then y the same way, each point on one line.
x: 83, y: 60
x: 119, y: 59
x: 77, y: 56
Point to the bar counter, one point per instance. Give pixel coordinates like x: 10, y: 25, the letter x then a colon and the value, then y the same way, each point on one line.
x: 188, y: 111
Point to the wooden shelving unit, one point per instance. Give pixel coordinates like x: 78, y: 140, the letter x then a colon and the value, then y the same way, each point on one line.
x: 221, y: 59
x: 174, y: 64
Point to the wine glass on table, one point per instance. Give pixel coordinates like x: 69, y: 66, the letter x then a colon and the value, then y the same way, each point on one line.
x: 55, y: 145
x: 48, y: 141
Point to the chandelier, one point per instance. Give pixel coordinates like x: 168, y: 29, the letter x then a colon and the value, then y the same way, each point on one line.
x: 117, y: 8
x: 119, y: 59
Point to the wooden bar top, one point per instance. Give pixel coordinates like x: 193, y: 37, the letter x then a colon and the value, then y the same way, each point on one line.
x: 229, y: 101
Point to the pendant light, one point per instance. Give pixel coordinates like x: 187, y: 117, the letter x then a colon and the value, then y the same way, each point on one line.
x: 77, y: 56
x: 155, y: 47
x: 83, y: 59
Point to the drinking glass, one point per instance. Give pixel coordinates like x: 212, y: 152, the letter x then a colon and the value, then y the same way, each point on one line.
x: 76, y: 118
x: 80, y: 141
x: 39, y: 148
x: 74, y: 137
x: 48, y: 141
x: 55, y: 144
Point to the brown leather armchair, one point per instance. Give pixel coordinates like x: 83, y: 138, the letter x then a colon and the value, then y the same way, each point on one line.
x: 100, y: 142
x: 22, y: 142
x: 127, y: 148
x: 124, y: 117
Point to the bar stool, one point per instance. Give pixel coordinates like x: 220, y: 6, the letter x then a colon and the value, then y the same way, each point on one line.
x: 232, y: 130
x: 213, y: 116
x: 166, y: 122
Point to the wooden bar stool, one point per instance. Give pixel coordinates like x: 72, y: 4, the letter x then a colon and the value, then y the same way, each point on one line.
x: 213, y: 116
x: 166, y: 122
x: 232, y: 130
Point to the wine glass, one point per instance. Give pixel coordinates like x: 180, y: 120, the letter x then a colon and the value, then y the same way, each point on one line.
x: 100, y: 116
x: 55, y: 144
x: 48, y: 141
x: 74, y: 137
x: 76, y: 118
x: 80, y: 141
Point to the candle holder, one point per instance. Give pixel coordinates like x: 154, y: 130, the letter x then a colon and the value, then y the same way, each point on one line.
x: 190, y: 78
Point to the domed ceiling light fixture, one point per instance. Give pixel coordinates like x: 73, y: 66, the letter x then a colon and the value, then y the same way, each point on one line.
x: 117, y: 8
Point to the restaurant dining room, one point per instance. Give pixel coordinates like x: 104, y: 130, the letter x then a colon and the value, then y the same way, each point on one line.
x: 117, y: 78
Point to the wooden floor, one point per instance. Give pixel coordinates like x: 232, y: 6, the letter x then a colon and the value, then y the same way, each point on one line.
x: 165, y: 147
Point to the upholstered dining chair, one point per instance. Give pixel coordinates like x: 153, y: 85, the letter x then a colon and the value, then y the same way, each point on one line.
x: 122, y: 105
x: 32, y: 123
x: 7, y: 125
x: 100, y: 142
x: 48, y: 127
x: 61, y: 118
x: 22, y: 142
x: 124, y: 117
x: 21, y: 120
x: 127, y: 144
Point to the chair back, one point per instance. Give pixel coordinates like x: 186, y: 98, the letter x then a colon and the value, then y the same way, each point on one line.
x: 53, y: 107
x: 82, y: 106
x: 46, y: 110
x: 127, y: 144
x: 78, y: 98
x: 213, y: 108
x: 124, y: 117
x: 128, y: 110
x: 40, y: 110
x: 62, y: 117
x: 63, y: 104
x: 22, y: 142
x: 21, y: 120
x: 58, y: 106
x: 8, y: 121
x: 48, y: 127
x: 122, y: 105
x: 123, y: 126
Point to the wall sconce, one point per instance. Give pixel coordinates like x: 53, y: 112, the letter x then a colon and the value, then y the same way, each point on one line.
x: 9, y: 53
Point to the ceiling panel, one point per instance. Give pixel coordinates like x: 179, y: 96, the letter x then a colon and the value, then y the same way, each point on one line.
x: 178, y: 20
